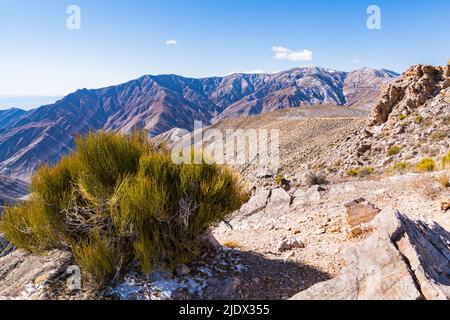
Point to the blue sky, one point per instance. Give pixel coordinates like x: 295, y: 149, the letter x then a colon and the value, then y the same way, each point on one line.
x: 122, y: 40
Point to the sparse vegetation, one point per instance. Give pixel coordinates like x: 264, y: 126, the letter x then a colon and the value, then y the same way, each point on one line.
x: 118, y: 200
x: 394, y: 151
x: 361, y: 172
x: 399, y: 167
x: 279, y: 179
x: 419, y: 119
x: 402, y: 117
x: 426, y: 165
x: 446, y: 160
x: 316, y: 179
x: 444, y: 180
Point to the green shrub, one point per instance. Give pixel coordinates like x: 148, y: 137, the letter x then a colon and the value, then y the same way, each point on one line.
x: 446, y: 160
x: 394, y: 150
x: 361, y: 172
x: 100, y: 257
x: 400, y: 167
x: 419, y: 119
x: 426, y: 165
x: 279, y: 179
x: 118, y: 200
x: 402, y: 117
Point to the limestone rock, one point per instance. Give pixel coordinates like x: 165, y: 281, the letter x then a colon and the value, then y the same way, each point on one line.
x: 25, y: 276
x: 403, y: 260
x: 310, y: 196
x: 280, y: 201
x: 256, y: 203
x: 360, y: 211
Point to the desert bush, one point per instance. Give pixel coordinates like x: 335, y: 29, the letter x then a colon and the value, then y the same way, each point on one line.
x: 402, y: 117
x: 394, y: 150
x: 426, y: 165
x: 444, y: 180
x: 361, y: 172
x: 446, y: 160
x: 117, y: 200
x: 316, y: 179
x: 419, y: 119
x: 400, y: 167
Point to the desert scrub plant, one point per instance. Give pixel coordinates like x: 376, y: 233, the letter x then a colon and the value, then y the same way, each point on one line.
x: 426, y: 165
x: 446, y: 160
x: 444, y: 180
x: 316, y: 179
x: 419, y: 119
x: 118, y: 200
x: 394, y: 151
x: 279, y: 179
x: 400, y: 167
x: 361, y: 172
x: 402, y: 117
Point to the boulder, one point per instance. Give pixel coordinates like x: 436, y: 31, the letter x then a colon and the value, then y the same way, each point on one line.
x: 360, y: 211
x: 403, y: 260
x: 310, y: 196
x: 280, y: 201
x: 256, y: 203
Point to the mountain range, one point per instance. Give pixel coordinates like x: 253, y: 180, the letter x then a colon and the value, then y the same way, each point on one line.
x: 159, y: 103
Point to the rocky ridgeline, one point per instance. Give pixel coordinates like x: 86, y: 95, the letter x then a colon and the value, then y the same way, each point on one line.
x: 402, y: 260
x: 411, y: 121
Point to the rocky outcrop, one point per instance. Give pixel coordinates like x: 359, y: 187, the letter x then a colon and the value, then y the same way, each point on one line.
x: 402, y: 260
x: 27, y: 276
x: 360, y: 211
x: 409, y: 123
x: 417, y: 85
x: 279, y: 201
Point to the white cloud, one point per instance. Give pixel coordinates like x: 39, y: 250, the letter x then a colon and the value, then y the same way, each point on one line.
x: 282, y: 53
x: 171, y: 42
x: 357, y: 61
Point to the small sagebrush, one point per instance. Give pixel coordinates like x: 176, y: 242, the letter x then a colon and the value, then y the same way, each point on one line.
x: 446, y: 160
x: 394, y: 151
x: 316, y: 179
x: 426, y: 165
x: 444, y: 180
x: 361, y: 172
x: 117, y: 200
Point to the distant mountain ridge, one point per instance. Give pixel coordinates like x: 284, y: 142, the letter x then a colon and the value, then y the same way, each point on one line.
x: 9, y: 117
x: 160, y: 103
